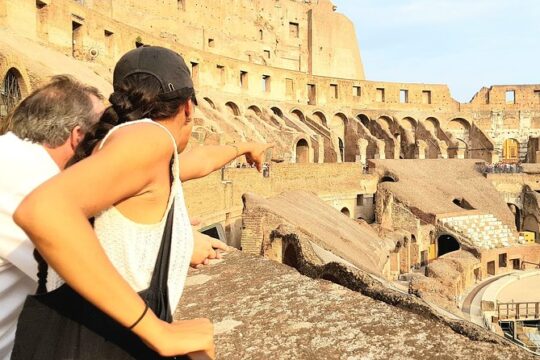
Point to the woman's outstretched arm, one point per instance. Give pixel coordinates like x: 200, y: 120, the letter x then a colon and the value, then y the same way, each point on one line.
x: 55, y: 218
x: 203, y: 160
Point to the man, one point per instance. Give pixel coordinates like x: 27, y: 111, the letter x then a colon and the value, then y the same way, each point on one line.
x: 45, y: 129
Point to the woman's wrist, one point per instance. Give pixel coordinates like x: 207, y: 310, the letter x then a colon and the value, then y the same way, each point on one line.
x: 149, y: 328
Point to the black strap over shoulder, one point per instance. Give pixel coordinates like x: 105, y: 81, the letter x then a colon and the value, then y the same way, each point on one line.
x: 157, y: 294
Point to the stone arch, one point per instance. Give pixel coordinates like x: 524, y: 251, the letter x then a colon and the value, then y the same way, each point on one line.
x: 302, y: 150
x: 233, y: 108
x: 446, y: 244
x: 459, y: 129
x: 364, y: 119
x: 254, y: 109
x: 408, y: 123
x: 338, y: 126
x: 432, y: 124
x: 458, y: 124
x: 510, y: 150
x: 12, y: 91
x: 517, y: 215
x: 210, y: 102
x: 385, y: 122
x: 299, y: 114
x: 530, y: 223
x: 320, y: 117
x: 345, y: 211
x: 388, y: 177
x: 277, y: 111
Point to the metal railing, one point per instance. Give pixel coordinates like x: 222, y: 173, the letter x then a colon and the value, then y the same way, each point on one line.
x: 519, y: 310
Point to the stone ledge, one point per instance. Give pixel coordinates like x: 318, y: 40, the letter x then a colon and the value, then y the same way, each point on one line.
x: 265, y: 310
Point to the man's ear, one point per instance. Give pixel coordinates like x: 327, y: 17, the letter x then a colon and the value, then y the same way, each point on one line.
x: 76, y: 137
x: 189, y: 109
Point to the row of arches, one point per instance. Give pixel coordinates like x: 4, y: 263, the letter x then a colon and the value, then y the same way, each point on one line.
x: 386, y: 121
x: 400, y: 136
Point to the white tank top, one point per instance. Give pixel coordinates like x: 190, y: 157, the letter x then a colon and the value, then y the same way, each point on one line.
x: 132, y: 247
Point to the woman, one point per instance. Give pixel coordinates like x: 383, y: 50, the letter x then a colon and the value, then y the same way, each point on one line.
x: 131, y: 184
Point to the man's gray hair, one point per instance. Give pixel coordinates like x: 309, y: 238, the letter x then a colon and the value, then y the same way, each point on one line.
x: 50, y: 113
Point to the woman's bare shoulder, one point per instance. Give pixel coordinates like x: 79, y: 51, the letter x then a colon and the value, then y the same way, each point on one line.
x: 141, y: 139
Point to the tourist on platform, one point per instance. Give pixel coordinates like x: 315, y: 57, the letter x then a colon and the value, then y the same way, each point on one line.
x: 142, y: 239
x: 44, y: 129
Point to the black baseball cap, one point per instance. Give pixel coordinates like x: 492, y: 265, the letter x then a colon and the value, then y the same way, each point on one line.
x: 167, y: 66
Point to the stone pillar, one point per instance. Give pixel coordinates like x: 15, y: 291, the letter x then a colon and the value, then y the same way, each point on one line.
x: 362, y: 150
x: 421, y: 147
x: 443, y: 148
x: 381, y: 145
x: 397, y: 146
x: 320, y: 141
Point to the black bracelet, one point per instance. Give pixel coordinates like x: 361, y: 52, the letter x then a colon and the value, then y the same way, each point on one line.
x: 140, y: 318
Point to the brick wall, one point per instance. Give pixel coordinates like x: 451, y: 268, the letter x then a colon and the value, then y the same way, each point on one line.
x: 218, y: 197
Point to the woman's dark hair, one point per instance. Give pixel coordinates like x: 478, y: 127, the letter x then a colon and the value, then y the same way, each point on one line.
x: 137, y: 97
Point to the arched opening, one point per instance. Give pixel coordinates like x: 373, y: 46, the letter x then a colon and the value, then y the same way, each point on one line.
x: 510, y: 150
x: 345, y: 211
x: 302, y: 151
x: 337, y: 128
x: 10, y: 92
x: 364, y: 120
x: 210, y: 102
x: 233, y: 108
x: 341, y: 149
x: 385, y: 122
x: 517, y: 215
x: 446, y: 244
x: 458, y: 125
x: 462, y: 203
x: 299, y: 115
x: 408, y: 123
x: 290, y: 257
x: 388, y: 178
x: 431, y: 124
x: 277, y: 111
x: 255, y: 110
x: 320, y: 118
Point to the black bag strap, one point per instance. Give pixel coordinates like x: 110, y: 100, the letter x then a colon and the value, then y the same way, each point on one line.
x: 160, y: 275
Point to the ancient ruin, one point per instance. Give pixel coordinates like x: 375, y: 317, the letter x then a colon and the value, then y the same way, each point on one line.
x: 393, y: 190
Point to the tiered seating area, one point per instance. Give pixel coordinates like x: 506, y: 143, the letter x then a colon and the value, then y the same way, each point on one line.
x: 484, y: 230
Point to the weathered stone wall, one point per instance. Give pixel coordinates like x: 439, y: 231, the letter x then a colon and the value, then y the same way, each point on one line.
x: 396, y: 113
x: 529, y: 253
x: 218, y: 197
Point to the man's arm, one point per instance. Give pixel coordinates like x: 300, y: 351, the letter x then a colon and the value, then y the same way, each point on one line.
x: 204, y: 160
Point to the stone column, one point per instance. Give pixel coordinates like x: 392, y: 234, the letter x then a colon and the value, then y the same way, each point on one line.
x: 362, y: 150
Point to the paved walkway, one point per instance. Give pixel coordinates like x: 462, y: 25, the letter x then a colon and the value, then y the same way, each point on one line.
x: 522, y: 290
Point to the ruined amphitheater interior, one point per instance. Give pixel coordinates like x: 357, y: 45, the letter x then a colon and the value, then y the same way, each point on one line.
x: 381, y: 218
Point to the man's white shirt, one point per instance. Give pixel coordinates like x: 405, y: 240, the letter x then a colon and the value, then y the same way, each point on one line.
x: 23, y: 167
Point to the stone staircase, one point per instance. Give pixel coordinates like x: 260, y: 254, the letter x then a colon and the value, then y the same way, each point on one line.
x: 483, y: 230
